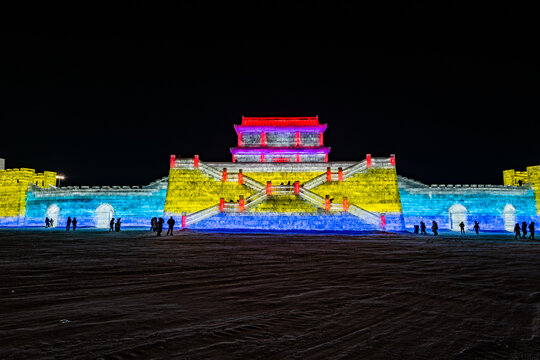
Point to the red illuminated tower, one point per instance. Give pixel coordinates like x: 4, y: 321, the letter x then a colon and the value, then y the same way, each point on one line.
x: 280, y: 139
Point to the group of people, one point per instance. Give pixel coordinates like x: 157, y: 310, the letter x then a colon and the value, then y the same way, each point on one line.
x: 71, y: 222
x: 522, y: 232
x: 49, y: 222
x: 157, y: 225
x: 519, y: 231
x: 434, y: 228
x: 115, y: 226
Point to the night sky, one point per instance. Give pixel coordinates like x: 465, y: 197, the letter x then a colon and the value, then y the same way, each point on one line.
x: 110, y: 109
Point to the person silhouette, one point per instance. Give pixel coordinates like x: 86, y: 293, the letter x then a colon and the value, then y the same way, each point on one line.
x: 476, y: 227
x: 524, y: 229
x: 111, y: 225
x: 160, y: 226
x: 52, y: 222
x: 531, y: 230
x: 74, y: 222
x: 68, y: 223
x: 117, y: 225
x: 462, y: 227
x: 170, y: 222
x: 434, y: 228
x: 517, y: 231
x: 422, y: 228
x: 153, y: 225
x: 47, y: 223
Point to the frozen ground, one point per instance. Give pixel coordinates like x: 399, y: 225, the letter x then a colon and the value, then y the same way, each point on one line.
x: 100, y: 295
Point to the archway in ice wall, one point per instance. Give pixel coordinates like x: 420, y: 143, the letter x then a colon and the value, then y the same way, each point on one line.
x: 53, y: 211
x: 104, y: 214
x: 457, y: 213
x: 509, y: 216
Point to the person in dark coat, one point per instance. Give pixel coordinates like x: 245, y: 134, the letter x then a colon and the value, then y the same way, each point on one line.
x: 422, y: 228
x: 434, y: 228
x: 517, y: 231
x: 47, y: 223
x: 117, y: 225
x: 476, y: 227
x: 524, y: 229
x: 153, y: 224
x: 462, y: 227
x: 531, y: 230
x: 111, y: 225
x: 160, y: 226
x: 171, y: 223
x: 68, y: 223
x: 74, y: 222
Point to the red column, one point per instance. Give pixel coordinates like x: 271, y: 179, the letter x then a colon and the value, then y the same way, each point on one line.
x: 241, y: 203
x: 196, y: 161
x: 368, y: 160
x: 326, y: 158
x: 383, y: 221
x: 320, y: 139
x: 345, y: 204
x: 263, y: 139
x: 393, y: 159
x: 297, y: 157
x: 298, y: 141
x: 268, y: 188
x: 262, y: 157
x: 240, y: 139
x: 173, y: 159
x: 183, y: 220
x: 340, y: 174
x: 224, y: 175
x: 221, y: 204
x: 328, y: 174
x: 233, y: 158
x: 327, y: 203
x: 240, y: 177
x: 297, y: 188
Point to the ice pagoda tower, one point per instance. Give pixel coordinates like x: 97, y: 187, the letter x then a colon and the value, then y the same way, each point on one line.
x: 280, y: 139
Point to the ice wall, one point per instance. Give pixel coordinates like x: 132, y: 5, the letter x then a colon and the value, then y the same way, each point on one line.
x: 94, y: 206
x: 495, y: 207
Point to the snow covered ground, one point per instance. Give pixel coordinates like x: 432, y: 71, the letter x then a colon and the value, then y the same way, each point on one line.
x: 99, y: 295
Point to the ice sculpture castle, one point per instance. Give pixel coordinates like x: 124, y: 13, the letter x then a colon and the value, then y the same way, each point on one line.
x: 280, y: 179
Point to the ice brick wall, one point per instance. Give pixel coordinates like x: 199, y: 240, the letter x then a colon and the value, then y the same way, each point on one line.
x: 284, y: 222
x: 93, y: 207
x: 496, y: 208
x: 14, y: 185
x: 285, y: 204
x: 375, y: 190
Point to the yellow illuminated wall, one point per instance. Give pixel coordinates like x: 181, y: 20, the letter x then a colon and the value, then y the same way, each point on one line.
x: 285, y: 204
x: 190, y: 191
x: 512, y: 177
x: 282, y: 177
x: 533, y: 175
x: 14, y: 186
x: 530, y: 177
x: 377, y: 190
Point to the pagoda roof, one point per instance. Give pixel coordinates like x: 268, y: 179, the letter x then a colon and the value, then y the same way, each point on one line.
x: 283, y: 121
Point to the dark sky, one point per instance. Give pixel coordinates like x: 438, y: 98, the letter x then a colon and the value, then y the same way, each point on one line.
x: 109, y: 109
